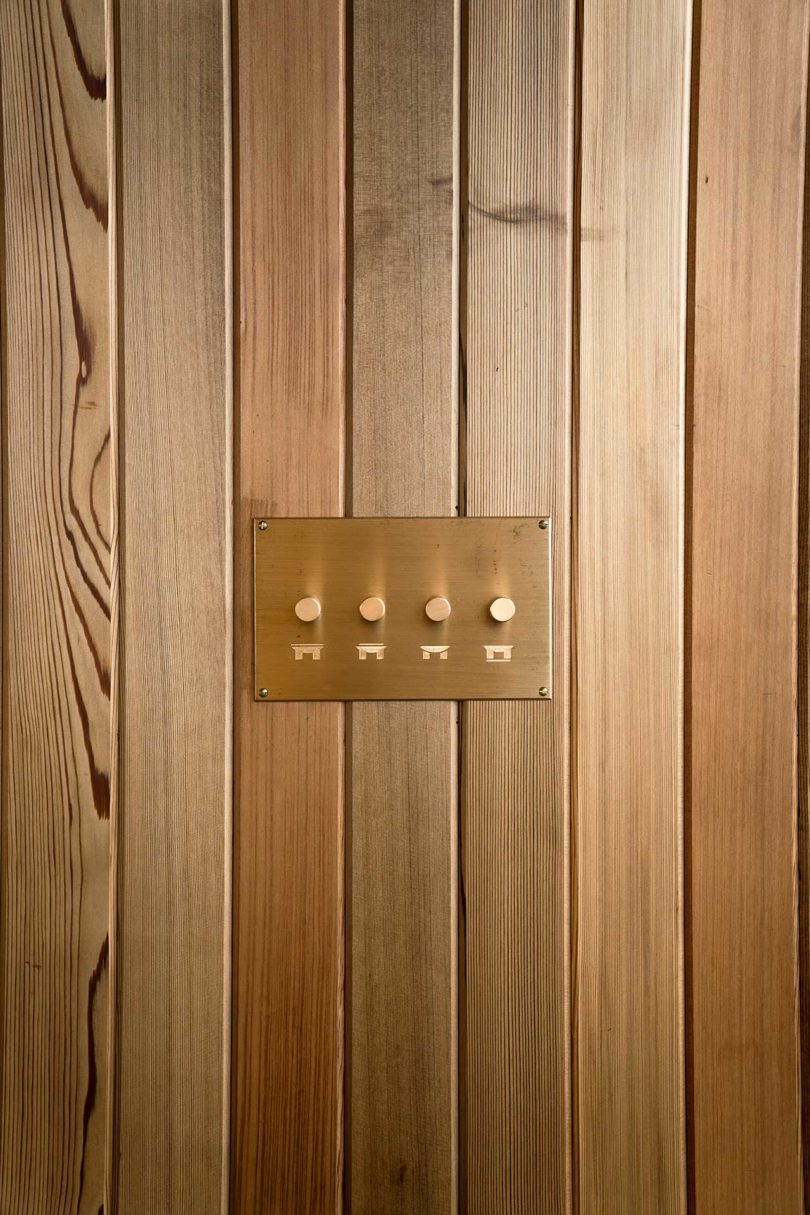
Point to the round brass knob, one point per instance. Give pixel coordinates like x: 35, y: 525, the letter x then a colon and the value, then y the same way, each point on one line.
x: 308, y: 609
x: 502, y: 609
x: 372, y: 608
x: 438, y: 608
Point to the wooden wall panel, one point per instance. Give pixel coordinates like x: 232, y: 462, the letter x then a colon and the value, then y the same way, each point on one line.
x: 516, y: 766
x: 58, y: 575
x: 748, y: 211
x: 175, y: 784
x: 629, y: 608
x: 288, y: 985
x: 402, y: 862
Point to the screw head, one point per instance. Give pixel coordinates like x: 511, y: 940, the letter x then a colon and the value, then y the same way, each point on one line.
x: 544, y: 691
x: 544, y: 524
x: 262, y: 525
x: 263, y: 693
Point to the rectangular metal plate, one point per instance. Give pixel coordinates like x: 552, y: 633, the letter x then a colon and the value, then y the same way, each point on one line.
x: 406, y: 562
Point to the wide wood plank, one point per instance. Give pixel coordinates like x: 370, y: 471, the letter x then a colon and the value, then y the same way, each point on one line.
x: 288, y: 874
x: 175, y: 783
x: 628, y: 1013
x: 58, y: 626
x: 748, y: 208
x: 515, y: 758
x: 402, y: 1147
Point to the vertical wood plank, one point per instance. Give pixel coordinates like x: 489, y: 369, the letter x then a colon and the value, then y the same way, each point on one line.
x: 748, y: 212
x: 629, y: 607
x: 516, y: 755
x: 57, y: 610
x: 175, y: 782
x: 403, y: 868
x: 288, y: 879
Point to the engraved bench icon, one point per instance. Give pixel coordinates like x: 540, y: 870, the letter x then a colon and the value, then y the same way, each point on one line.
x: 301, y: 650
x: 498, y: 653
x: 429, y: 650
x: 377, y: 651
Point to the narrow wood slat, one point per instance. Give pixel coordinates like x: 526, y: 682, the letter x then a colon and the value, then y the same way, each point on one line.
x: 629, y: 608
x: 403, y: 872
x: 175, y: 782
x: 515, y: 758
x: 803, y: 675
x: 288, y: 877
x: 58, y: 575
x: 748, y: 208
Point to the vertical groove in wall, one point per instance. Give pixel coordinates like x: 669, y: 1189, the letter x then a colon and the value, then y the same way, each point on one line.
x: 345, y: 1145
x: 576, y: 270
x: 459, y: 487
x: 229, y: 89
x: 803, y: 675
x: 462, y: 166
x: 233, y: 233
x: 4, y: 544
x: 461, y: 203
x: 344, y: 173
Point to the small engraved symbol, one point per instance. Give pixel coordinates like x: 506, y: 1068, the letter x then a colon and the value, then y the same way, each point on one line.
x: 376, y: 651
x: 301, y: 650
x: 499, y: 653
x: 429, y: 650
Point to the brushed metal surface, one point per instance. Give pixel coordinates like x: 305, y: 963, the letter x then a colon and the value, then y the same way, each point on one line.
x: 406, y: 563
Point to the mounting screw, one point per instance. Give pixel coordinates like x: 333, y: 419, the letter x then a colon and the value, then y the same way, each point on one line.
x: 544, y: 524
x: 263, y: 693
x: 544, y: 691
x: 262, y: 525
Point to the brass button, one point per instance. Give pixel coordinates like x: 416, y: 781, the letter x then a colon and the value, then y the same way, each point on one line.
x: 372, y: 608
x: 438, y: 608
x: 307, y: 609
x: 502, y: 609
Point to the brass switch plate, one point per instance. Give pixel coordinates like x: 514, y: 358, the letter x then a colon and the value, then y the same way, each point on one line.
x: 404, y: 562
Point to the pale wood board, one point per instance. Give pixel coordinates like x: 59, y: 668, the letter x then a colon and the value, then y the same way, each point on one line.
x: 628, y: 593
x: 516, y: 755
x: 402, y: 1081
x: 748, y: 216
x: 175, y: 776
x: 288, y: 874
x: 58, y: 572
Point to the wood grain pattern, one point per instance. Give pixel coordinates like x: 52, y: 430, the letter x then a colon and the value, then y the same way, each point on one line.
x: 288, y: 879
x: 629, y: 608
x: 57, y: 610
x: 749, y: 186
x: 175, y: 782
x: 402, y: 863
x: 516, y: 755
